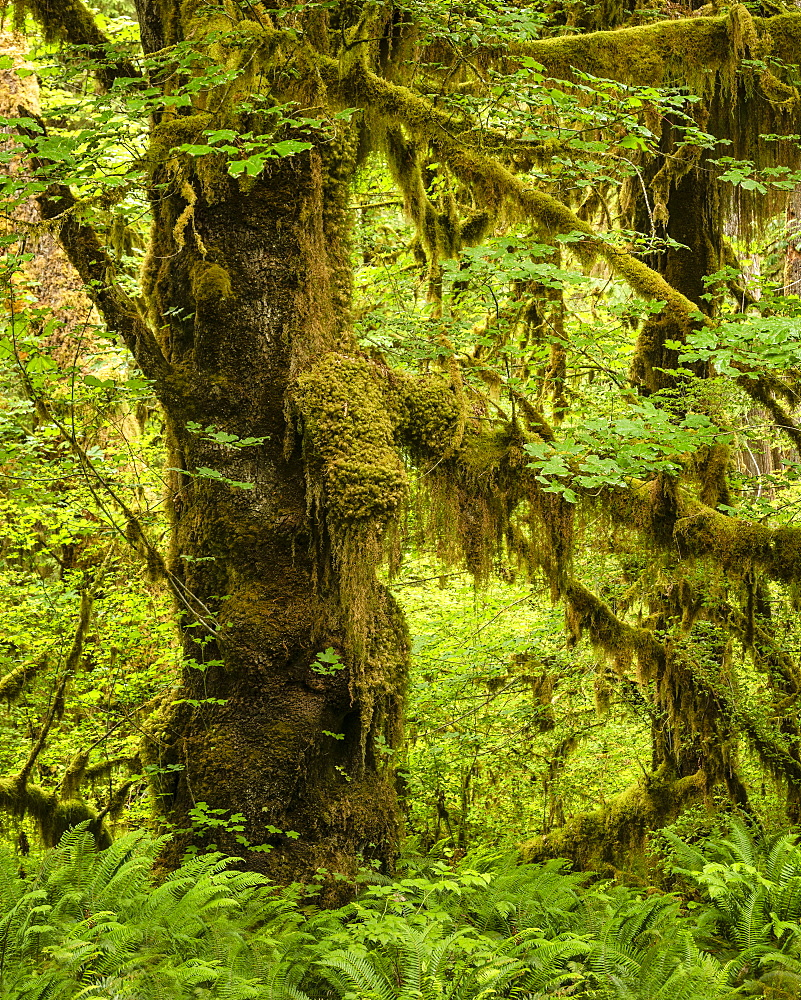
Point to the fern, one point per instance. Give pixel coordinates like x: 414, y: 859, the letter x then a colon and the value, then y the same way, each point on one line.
x: 92, y: 924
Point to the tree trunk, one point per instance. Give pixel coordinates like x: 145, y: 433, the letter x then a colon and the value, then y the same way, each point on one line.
x: 249, y: 285
x: 792, y: 258
x: 691, y: 224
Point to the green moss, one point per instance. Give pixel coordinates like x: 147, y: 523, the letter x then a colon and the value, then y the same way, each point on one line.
x: 786, y: 552
x: 688, y: 51
x: 711, y: 465
x: 175, y: 132
x: 484, y: 453
x: 736, y: 545
x: 205, y: 176
x: 428, y: 412
x: 70, y: 813
x: 210, y: 283
x: 67, y: 20
x: 52, y: 816
x: 495, y: 187
x: 13, y: 684
x: 74, y: 775
x: 356, y: 482
x: 587, y: 613
x: 475, y: 228
x: 610, y: 836
x: 354, y: 469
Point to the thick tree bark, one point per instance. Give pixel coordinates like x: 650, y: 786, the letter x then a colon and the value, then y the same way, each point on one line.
x: 249, y: 286
x: 253, y: 736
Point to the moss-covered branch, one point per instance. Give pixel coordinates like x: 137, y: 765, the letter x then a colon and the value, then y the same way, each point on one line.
x: 91, y: 260
x: 609, y: 835
x: 686, y: 51
x: 427, y: 416
x: 496, y: 187
x: 696, y: 530
x: 587, y: 613
x: 13, y: 684
x: 52, y: 815
x: 55, y: 811
x: 762, y: 391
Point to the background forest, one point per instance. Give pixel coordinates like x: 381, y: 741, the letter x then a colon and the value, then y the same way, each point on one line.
x: 532, y: 536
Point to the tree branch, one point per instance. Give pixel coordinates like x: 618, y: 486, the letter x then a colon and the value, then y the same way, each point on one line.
x: 697, y: 530
x: 686, y: 51
x: 495, y: 186
x: 96, y: 268
x: 12, y: 685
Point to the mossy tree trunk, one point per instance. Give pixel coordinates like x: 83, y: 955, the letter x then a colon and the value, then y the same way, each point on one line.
x: 248, y: 285
x: 692, y: 253
x: 792, y: 259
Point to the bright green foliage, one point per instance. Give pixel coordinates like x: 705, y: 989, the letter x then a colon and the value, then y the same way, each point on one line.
x: 89, y: 924
x: 753, y: 883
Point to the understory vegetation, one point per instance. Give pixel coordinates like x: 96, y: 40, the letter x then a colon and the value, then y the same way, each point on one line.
x: 88, y: 923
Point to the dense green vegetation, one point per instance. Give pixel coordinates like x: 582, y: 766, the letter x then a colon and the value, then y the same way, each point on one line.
x: 85, y: 923
x: 399, y: 479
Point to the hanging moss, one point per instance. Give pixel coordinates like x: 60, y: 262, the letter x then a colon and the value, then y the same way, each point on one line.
x: 786, y: 551
x: 69, y: 814
x: 586, y: 613
x: 734, y: 544
x: 711, y: 466
x: 764, y: 390
x: 60, y: 19
x: 356, y: 483
x: 495, y: 187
